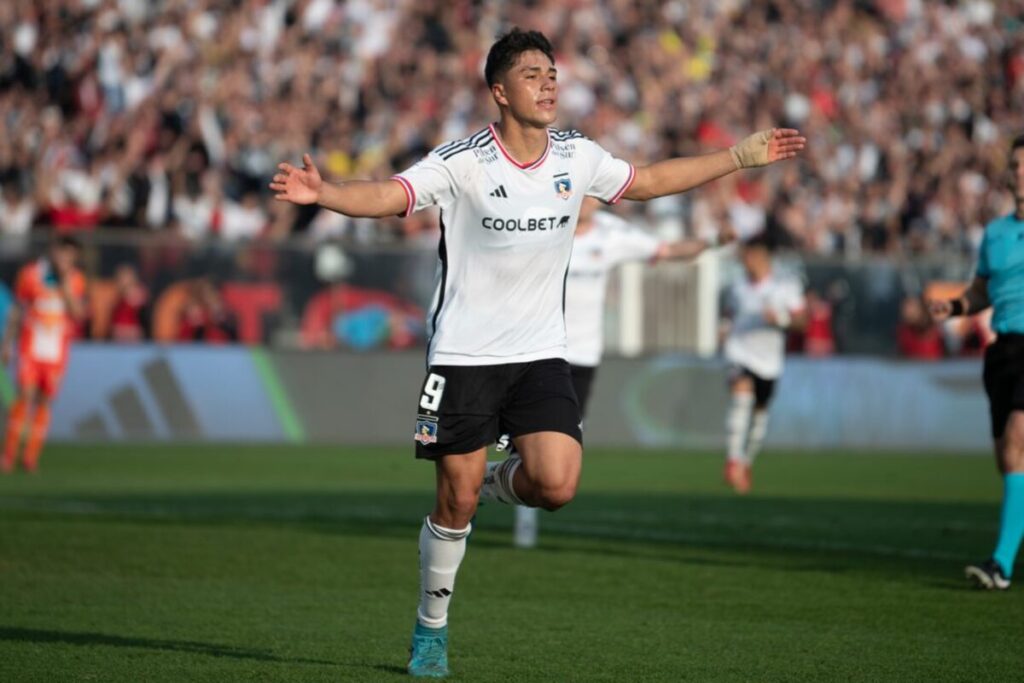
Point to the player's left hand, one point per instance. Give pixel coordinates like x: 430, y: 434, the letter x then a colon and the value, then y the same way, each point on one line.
x: 767, y: 146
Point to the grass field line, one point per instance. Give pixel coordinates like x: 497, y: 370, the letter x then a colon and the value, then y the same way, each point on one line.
x: 776, y: 542
x: 550, y: 524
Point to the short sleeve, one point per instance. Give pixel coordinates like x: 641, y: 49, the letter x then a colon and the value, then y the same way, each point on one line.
x: 612, y: 176
x: 428, y: 182
x: 983, y: 270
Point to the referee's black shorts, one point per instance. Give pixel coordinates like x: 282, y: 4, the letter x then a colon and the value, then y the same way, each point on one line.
x: 1004, y: 379
x: 461, y: 408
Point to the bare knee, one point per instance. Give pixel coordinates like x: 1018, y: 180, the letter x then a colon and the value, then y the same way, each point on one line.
x: 554, y: 497
x: 456, y: 509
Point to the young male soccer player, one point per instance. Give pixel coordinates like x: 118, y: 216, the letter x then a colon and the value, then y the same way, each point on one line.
x: 999, y: 282
x: 49, y: 299
x: 509, y: 197
x: 763, y: 305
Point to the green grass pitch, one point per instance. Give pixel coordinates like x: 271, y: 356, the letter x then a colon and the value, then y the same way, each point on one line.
x: 158, y: 563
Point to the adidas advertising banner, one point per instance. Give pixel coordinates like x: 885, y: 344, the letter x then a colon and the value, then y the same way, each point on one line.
x: 194, y: 393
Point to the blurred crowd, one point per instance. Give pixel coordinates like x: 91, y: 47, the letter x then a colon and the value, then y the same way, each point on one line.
x: 171, y: 115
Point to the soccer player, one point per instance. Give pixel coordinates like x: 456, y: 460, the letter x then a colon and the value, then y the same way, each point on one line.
x: 49, y: 301
x: 999, y: 282
x: 763, y: 306
x: 509, y: 196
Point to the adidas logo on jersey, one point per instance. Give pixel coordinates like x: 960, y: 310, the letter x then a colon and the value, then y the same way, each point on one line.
x: 500, y: 192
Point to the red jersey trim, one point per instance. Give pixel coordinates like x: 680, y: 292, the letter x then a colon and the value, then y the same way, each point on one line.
x: 625, y: 188
x: 410, y: 194
x: 524, y: 167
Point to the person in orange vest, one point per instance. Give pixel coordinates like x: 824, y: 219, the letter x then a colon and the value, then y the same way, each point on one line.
x: 49, y: 295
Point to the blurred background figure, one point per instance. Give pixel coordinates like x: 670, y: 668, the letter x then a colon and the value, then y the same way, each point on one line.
x: 49, y: 302
x: 763, y: 306
x: 917, y: 334
x: 817, y: 338
x: 130, y: 316
x: 204, y: 317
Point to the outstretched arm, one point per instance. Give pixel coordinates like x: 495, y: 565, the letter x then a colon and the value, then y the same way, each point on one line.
x: 356, y: 198
x: 681, y: 250
x: 691, y: 248
x: 673, y: 176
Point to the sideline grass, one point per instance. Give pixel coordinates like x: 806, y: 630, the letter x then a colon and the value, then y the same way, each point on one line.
x: 221, y: 564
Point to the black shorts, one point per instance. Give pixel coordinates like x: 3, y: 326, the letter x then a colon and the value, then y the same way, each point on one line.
x: 763, y: 388
x: 461, y: 407
x: 582, y: 379
x: 1004, y: 379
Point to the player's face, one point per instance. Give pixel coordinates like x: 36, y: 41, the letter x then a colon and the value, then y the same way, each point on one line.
x: 1017, y: 173
x: 530, y: 89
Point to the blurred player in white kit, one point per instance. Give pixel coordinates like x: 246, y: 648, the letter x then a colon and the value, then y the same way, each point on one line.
x: 762, y: 307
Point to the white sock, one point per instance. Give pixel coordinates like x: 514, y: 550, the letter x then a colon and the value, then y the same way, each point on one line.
x: 737, y: 422
x: 441, y: 553
x: 758, y: 429
x: 498, y: 478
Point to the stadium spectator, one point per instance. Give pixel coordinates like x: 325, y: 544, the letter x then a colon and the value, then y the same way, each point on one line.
x: 818, y: 337
x: 917, y: 336
x: 130, y: 316
x: 205, y: 317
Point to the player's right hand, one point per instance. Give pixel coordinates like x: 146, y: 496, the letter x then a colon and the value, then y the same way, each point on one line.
x: 5, y: 353
x: 940, y: 309
x: 297, y: 185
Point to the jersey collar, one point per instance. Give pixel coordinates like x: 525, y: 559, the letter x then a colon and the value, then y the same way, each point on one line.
x: 525, y: 167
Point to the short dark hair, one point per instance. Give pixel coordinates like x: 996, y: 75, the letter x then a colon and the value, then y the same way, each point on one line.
x: 1017, y: 143
x: 506, y: 50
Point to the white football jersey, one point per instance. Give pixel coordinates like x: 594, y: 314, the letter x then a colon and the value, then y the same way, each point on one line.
x: 752, y: 342
x: 506, y: 236
x: 610, y: 242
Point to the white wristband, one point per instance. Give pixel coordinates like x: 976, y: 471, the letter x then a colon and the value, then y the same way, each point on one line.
x: 782, y: 318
